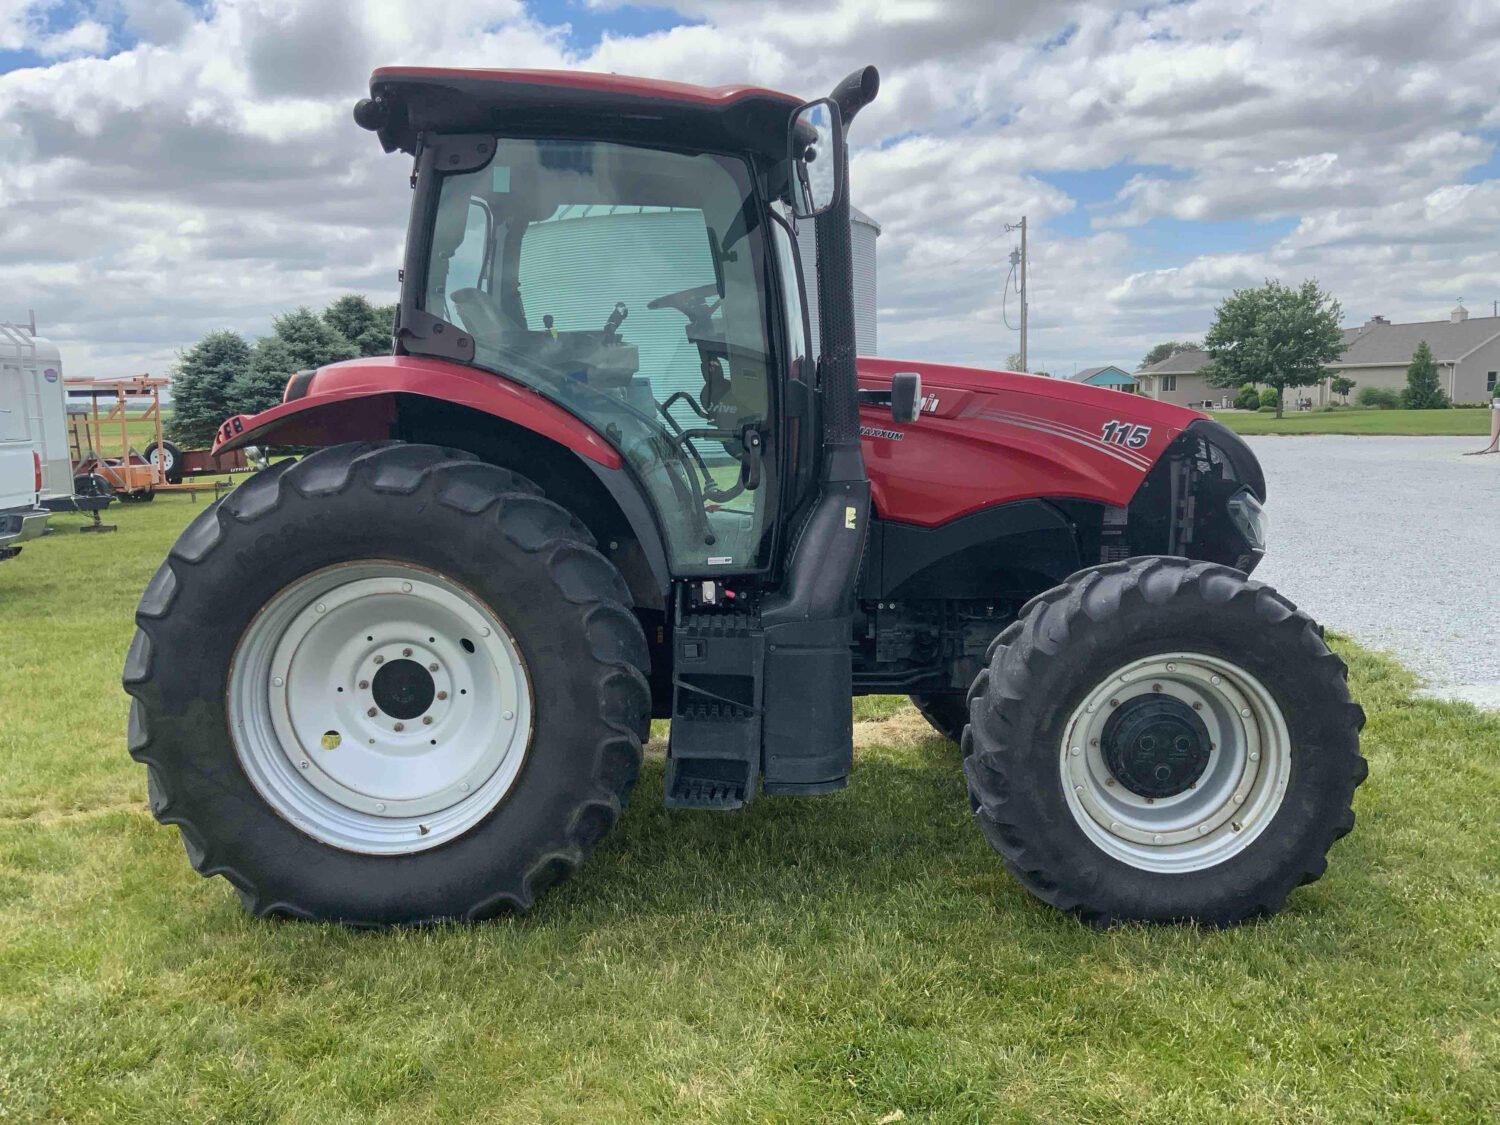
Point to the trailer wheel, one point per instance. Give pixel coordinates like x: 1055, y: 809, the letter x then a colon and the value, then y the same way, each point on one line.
x: 168, y: 458
x: 1160, y: 740
x: 387, y: 684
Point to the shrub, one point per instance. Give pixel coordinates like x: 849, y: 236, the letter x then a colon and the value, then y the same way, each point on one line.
x: 1379, y: 398
x: 1248, y: 398
x: 1269, y: 397
x: 1266, y: 410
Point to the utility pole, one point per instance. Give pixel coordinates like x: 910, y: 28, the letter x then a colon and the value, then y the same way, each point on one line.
x: 1021, y: 226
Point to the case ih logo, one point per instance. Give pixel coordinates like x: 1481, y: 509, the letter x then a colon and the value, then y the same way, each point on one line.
x: 50, y: 375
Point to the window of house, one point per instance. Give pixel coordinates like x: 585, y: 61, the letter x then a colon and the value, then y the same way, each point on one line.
x: 1169, y: 382
x: 1490, y: 381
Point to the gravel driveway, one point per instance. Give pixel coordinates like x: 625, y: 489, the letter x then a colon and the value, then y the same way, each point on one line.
x: 1396, y: 542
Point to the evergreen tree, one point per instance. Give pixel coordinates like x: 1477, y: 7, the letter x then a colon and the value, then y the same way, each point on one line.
x: 1423, y: 391
x: 368, y: 327
x: 201, y: 387
x: 1276, y: 336
x: 300, y: 341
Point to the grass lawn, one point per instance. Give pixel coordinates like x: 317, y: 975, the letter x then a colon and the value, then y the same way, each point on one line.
x: 1459, y: 420
x: 857, y: 958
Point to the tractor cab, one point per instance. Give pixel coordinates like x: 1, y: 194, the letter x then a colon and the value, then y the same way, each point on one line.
x: 646, y: 283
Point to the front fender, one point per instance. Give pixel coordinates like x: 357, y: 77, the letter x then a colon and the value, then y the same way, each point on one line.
x: 356, y: 401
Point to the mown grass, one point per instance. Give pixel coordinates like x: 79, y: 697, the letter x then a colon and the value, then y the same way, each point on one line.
x: 846, y: 959
x: 1456, y: 421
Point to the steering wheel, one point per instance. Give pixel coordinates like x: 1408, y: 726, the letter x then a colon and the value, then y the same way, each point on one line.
x: 686, y: 301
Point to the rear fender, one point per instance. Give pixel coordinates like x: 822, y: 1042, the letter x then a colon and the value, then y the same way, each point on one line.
x: 423, y: 400
x: 356, y: 401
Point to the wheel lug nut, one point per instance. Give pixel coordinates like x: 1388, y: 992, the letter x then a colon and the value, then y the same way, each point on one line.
x: 372, y: 712
x: 442, y: 695
x: 380, y: 660
x: 1156, y: 687
x: 1114, y: 702
x: 1197, y: 706
x: 432, y: 667
x: 400, y: 726
x: 1109, y: 781
x: 427, y: 720
x: 364, y: 684
x: 406, y: 652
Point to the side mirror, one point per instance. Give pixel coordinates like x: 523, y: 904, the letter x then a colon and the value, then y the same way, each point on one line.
x: 906, y: 396
x: 815, y: 144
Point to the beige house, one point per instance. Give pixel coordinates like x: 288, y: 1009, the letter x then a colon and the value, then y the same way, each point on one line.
x: 1376, y: 354
x: 1179, y: 379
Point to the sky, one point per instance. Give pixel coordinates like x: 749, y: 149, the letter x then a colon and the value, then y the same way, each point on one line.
x: 170, y: 168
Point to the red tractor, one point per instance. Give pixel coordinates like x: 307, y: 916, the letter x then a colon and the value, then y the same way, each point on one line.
x: 603, y: 479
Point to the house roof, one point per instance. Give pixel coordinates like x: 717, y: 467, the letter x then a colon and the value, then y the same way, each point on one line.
x: 1189, y: 362
x: 1393, y: 344
x: 1107, y: 376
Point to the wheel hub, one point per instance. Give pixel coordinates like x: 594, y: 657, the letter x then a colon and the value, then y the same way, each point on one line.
x: 1175, y: 762
x: 1156, y: 746
x: 380, y: 707
x: 403, y: 689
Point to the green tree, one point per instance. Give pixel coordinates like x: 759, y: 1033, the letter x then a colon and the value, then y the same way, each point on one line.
x: 1166, y: 351
x: 1342, y: 386
x: 1276, y: 336
x: 201, y: 387
x: 1013, y: 361
x: 300, y: 340
x: 1423, y: 391
x: 1271, y: 397
x: 368, y: 327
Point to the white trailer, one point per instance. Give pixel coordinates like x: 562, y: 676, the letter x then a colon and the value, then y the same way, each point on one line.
x: 31, y: 366
x: 22, y: 470
x: 32, y: 388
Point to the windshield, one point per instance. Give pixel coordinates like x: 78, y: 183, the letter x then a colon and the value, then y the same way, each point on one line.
x: 624, y: 283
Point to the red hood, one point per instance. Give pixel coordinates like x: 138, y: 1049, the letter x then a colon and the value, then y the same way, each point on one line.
x: 992, y: 437
x: 1138, y: 407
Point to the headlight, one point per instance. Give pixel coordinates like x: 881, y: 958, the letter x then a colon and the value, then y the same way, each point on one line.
x: 257, y: 457
x: 1249, y: 517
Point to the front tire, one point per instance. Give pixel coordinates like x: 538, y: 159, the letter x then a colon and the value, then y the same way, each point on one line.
x: 1160, y: 740
x: 387, y: 684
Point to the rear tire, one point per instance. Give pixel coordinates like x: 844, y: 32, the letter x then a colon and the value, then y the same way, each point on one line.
x: 1159, y: 740
x: 947, y: 712
x: 323, y: 530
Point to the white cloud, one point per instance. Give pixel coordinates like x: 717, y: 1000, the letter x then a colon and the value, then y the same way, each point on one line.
x: 210, y: 175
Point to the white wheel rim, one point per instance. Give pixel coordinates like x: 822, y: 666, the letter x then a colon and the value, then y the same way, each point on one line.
x: 1229, y: 805
x: 450, y: 697
x: 160, y: 458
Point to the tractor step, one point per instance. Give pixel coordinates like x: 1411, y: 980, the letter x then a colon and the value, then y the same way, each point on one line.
x: 713, y: 754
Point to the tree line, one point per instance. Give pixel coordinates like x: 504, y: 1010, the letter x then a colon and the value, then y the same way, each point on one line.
x: 223, y: 374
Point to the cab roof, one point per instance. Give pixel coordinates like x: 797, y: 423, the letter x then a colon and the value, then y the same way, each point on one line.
x: 577, y: 103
